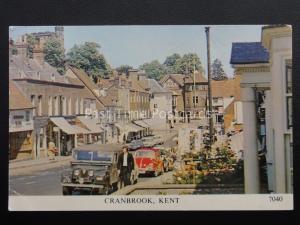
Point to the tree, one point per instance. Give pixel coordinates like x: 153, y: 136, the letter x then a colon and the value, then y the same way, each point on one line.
x: 187, y: 63
x: 123, y: 69
x: 154, y: 69
x: 170, y: 62
x: 218, y: 72
x: 54, y: 54
x: 31, y: 41
x: 88, y: 57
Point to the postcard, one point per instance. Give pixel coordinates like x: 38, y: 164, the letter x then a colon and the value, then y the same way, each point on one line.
x: 164, y: 117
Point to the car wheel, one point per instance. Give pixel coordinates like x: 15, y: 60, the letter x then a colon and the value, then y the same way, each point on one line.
x: 67, y: 190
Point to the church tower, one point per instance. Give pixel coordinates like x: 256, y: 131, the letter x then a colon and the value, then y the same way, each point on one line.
x: 59, y: 33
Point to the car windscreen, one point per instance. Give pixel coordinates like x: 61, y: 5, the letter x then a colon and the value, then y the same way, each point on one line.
x: 92, y: 155
x: 148, y: 154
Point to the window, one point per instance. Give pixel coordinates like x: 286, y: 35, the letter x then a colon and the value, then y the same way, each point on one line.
x: 195, y: 99
x: 32, y: 100
x: 288, y: 74
x: 40, y: 111
x: 18, y: 117
x: 50, y: 106
x: 289, y: 95
x: 70, y: 107
x: 27, y: 115
x: 289, y: 107
x: 56, y: 105
x: 77, y: 106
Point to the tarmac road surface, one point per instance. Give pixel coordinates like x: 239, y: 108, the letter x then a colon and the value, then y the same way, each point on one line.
x: 47, y: 182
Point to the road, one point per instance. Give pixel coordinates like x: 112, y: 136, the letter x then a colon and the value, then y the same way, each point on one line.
x: 47, y: 182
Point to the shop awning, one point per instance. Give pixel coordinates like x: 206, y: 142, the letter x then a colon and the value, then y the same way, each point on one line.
x: 133, y: 128
x: 141, y: 123
x: 66, y: 127
x: 129, y: 127
x: 91, y: 124
x: 81, y: 130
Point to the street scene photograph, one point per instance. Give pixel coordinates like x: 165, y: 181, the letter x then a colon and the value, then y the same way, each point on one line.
x: 150, y: 110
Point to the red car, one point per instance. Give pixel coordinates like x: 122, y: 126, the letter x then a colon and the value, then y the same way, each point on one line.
x: 149, y: 161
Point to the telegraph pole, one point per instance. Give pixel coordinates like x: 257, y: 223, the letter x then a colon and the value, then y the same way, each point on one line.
x: 209, y: 88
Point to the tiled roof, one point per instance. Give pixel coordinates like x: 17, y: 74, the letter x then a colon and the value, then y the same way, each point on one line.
x: 178, y: 78
x: 199, y: 78
x: 248, y: 52
x: 135, y: 86
x: 17, y: 99
x: 227, y: 88
x: 91, y: 86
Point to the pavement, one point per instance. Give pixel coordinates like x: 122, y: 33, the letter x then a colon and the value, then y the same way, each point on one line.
x: 36, y: 162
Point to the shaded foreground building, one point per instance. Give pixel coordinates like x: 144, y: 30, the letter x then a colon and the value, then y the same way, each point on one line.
x: 20, y: 124
x: 266, y: 83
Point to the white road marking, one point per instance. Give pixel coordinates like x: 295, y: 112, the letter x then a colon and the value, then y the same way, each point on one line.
x: 31, y: 182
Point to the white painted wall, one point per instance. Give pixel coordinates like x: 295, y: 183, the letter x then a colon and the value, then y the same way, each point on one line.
x: 16, y: 123
x: 281, y: 50
x: 238, y: 112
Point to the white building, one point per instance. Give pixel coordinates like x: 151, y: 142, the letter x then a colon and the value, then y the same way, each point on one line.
x: 266, y: 70
x: 160, y: 104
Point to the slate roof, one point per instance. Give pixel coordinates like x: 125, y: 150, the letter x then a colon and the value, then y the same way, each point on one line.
x: 248, y: 53
x: 21, y: 67
x: 155, y: 87
x: 17, y: 99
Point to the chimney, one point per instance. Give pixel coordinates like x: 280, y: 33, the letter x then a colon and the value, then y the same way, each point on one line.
x: 38, y: 54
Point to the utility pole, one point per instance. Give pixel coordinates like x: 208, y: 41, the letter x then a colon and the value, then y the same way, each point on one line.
x: 209, y: 88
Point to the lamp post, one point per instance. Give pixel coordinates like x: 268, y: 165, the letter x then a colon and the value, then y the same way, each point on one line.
x: 209, y: 87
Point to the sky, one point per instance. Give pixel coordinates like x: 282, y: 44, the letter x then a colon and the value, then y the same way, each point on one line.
x: 135, y: 45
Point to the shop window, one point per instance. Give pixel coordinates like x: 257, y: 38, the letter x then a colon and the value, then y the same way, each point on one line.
x: 289, y: 101
x: 27, y: 115
x: 288, y: 74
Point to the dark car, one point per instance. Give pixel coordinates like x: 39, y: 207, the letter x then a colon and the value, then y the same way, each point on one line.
x: 135, y: 144
x: 93, y: 169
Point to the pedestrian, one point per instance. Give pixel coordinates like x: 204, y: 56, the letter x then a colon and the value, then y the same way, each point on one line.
x: 125, y: 166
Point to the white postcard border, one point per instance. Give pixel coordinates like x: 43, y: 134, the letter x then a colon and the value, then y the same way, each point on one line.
x: 152, y: 202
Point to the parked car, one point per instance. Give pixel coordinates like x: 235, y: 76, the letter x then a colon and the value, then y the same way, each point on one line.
x: 158, y: 140
x: 149, y: 161
x: 148, y: 141
x: 93, y: 169
x: 135, y: 144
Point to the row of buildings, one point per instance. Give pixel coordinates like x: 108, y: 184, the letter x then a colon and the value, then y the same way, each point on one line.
x: 69, y: 110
